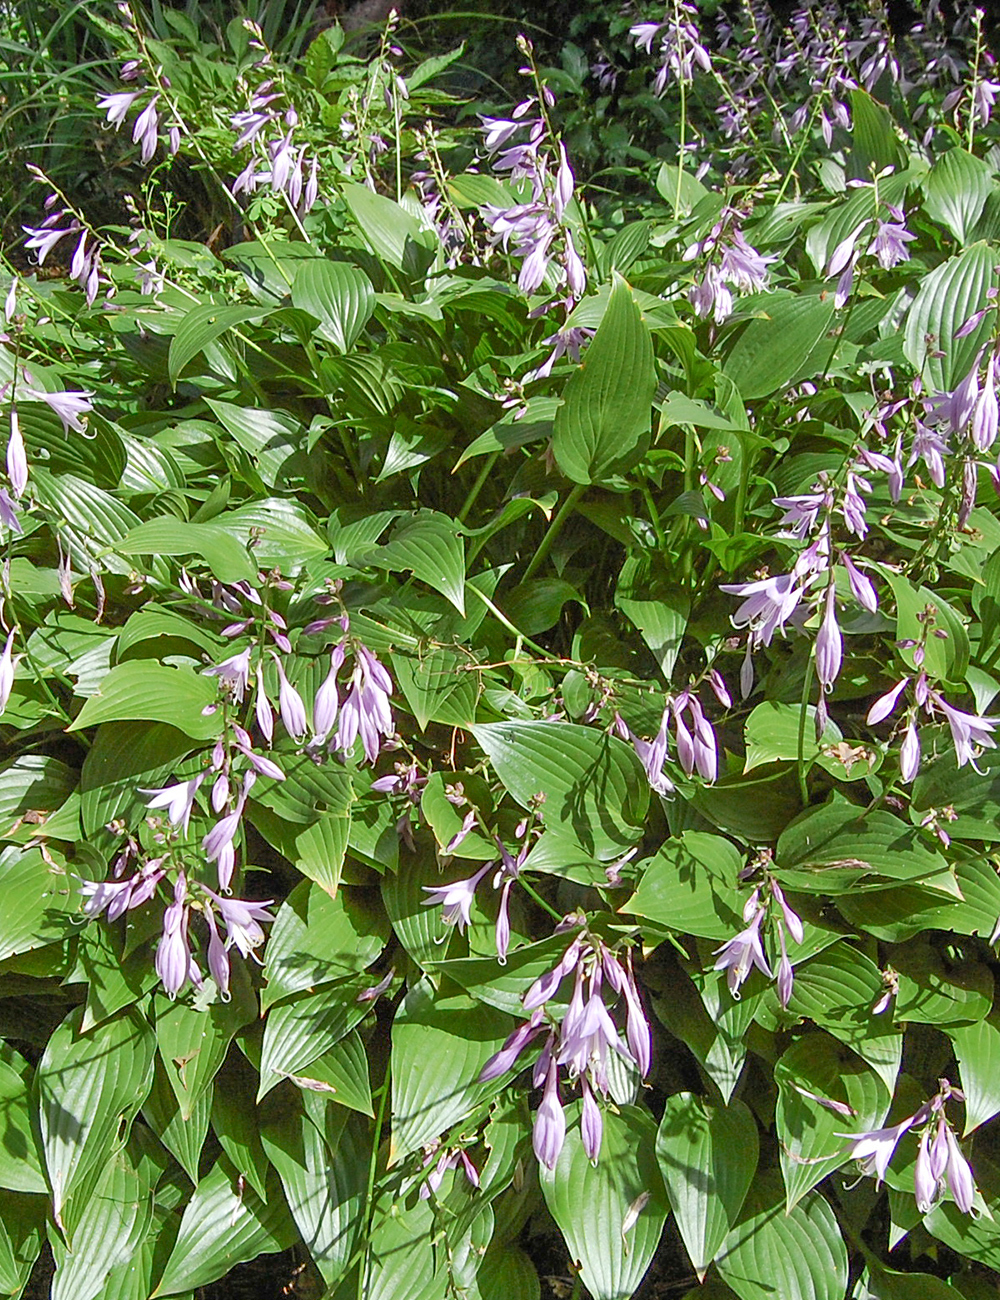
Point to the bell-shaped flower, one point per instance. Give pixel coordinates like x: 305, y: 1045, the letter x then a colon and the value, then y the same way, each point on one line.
x: 291, y: 708
x: 456, y: 899
x: 737, y: 956
x: 8, y: 665
x: 829, y: 643
x: 514, y: 1044
x: 549, y: 1131
x: 173, y: 963
x: 885, y: 704
x: 970, y: 733
x: 591, y: 1121
x: 874, y: 1148
x: 17, y: 460
x: 177, y: 800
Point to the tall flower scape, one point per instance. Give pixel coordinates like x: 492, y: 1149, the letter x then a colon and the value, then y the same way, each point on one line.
x: 500, y: 616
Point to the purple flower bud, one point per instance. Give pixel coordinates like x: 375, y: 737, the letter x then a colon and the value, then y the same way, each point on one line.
x: 174, y: 963
x: 291, y: 708
x: 885, y: 704
x: 218, y: 958
x: 515, y: 1043
x: 785, y: 976
x: 792, y: 919
x: 591, y: 1122
x: 829, y: 643
x: 924, y: 1181
x: 909, y: 754
x: 17, y: 461
x: 8, y: 663
x: 861, y: 586
x: 549, y: 1131
x: 263, y: 711
x: 546, y: 985
x: 718, y: 685
x: 327, y: 702
x: 145, y: 128
x: 961, y: 1183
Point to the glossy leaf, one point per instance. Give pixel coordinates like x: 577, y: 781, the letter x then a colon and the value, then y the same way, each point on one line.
x: 339, y: 295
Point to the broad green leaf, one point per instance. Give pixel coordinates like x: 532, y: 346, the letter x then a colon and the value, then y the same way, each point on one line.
x: 225, y: 556
x: 282, y: 533
x: 798, y: 1255
x: 976, y: 1238
x: 110, y: 1227
x: 183, y: 1136
x: 895, y: 915
x: 611, y: 1214
x: 439, y: 1045
x: 143, y: 689
x: 839, y: 848
x: 536, y: 606
x: 602, y: 425
x: 317, y: 850
x: 193, y: 1041
x: 127, y: 757
x: 20, y: 1160
x: 886, y: 1284
x: 316, y: 939
x: 87, y: 1087
x: 22, y: 1221
x: 201, y: 327
x: 955, y: 192
x: 977, y: 1047
x: 753, y: 807
x: 690, y: 886
x: 440, y: 686
x: 321, y: 1154
x: 341, y: 1074
x: 235, y: 1120
x: 660, y: 615
x: 947, y: 297
x: 507, y: 1273
x: 772, y: 732
x: 972, y: 791
x: 873, y: 137
x: 935, y: 992
x: 40, y: 902
x: 429, y: 546
x: 838, y: 990
x: 593, y: 784
x: 772, y: 348
x: 339, y: 295
x: 224, y: 1224
x: 708, y: 1157
x: 402, y: 1261
x: 502, y: 987
x: 274, y: 440
x: 393, y: 233
x: 810, y: 1135
x: 99, y: 457
x: 299, y: 1031
x: 946, y: 658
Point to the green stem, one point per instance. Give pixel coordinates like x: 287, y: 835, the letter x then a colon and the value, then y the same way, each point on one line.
x: 803, y: 718
x: 555, y: 528
x: 505, y: 621
x: 370, y: 1192
x: 533, y: 893
x: 477, y: 487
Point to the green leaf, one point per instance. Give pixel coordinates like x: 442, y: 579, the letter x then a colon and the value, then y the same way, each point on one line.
x: 838, y: 989
x: 708, y: 1157
x: 955, y: 192
x: 145, y: 689
x: 536, y: 606
x: 200, y: 327
x: 193, y: 1042
x: 977, y: 1048
x: 947, y: 297
x: 839, y: 848
x: 299, y: 1031
x: 602, y: 426
x: 339, y: 295
x: 439, y: 1045
x: 316, y: 939
x: 690, y: 886
x: 393, y: 233
x: 40, y: 902
x: 20, y: 1159
x: 591, y: 1203
x: 772, y: 732
x: 34, y: 782
x: 224, y: 1224
x: 235, y: 1120
x: 124, y: 758
x: 87, y: 1087
x: 661, y: 615
x: 873, y: 137
x: 440, y: 686
x: 933, y: 991
x: 274, y: 439
x: 593, y: 784
x: 342, y: 1074
x: 322, y: 1154
x: 113, y: 1222
x: 752, y: 807
x: 183, y: 1136
x: 946, y: 658
x: 225, y: 556
x: 507, y: 1273
x: 797, y: 1256
x: 810, y: 1135
x: 22, y: 1220
x: 773, y: 348
x: 429, y: 546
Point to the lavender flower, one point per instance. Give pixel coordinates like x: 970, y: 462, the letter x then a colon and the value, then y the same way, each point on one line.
x: 178, y: 800
x: 17, y: 461
x: 326, y: 701
x: 738, y: 955
x: 145, y: 128
x: 8, y: 665
x: 829, y: 643
x: 118, y: 896
x: 366, y: 711
x: 549, y: 1132
x: 874, y: 1148
x: 456, y: 898
x: 117, y: 105
x: 891, y: 238
x: 174, y: 964
x: 885, y: 704
x: 233, y: 674
x: 514, y: 1044
x: 69, y: 406
x: 291, y: 708
x: 653, y: 755
x: 970, y: 733
x: 767, y: 605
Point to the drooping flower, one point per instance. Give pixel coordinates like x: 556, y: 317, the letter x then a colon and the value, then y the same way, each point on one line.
x: 737, y: 956
x: 768, y: 604
x: 366, y: 711
x: 174, y: 963
x: 653, y: 755
x: 291, y: 707
x: 144, y: 129
x: 117, y: 105
x: 549, y: 1131
x: 178, y: 800
x: 829, y: 643
x: 456, y: 899
x: 233, y: 674
x: 971, y: 734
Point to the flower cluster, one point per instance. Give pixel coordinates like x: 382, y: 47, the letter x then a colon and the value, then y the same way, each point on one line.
x: 940, y: 1163
x: 970, y: 733
x: 85, y: 264
x: 536, y: 230
x: 731, y: 264
x: 694, y: 738
x: 579, y: 1042
x: 679, y: 46
x: 738, y: 956
x: 268, y: 126
x: 889, y: 240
